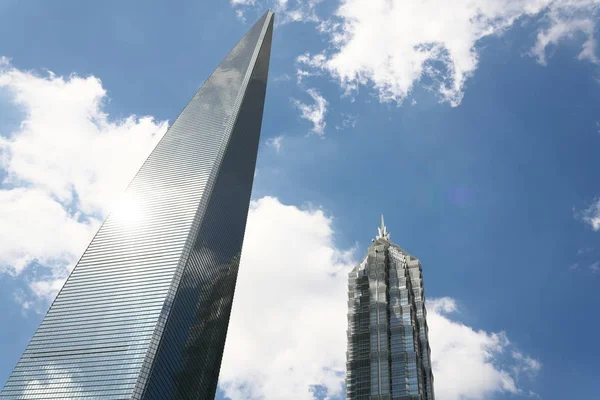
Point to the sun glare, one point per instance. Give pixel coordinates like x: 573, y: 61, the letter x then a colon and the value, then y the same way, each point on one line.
x: 128, y: 208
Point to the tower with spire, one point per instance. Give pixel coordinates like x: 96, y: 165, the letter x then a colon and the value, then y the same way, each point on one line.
x: 388, y: 355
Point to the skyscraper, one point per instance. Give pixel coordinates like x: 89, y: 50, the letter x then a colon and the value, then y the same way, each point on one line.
x: 388, y: 355
x: 144, y: 314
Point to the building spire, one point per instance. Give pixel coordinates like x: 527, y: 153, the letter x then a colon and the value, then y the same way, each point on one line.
x: 382, y: 231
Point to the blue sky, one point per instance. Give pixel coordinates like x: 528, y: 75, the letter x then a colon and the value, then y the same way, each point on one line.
x: 475, y: 131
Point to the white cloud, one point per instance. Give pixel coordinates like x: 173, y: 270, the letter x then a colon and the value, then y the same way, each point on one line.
x: 275, y: 142
x: 466, y: 361
x: 243, y: 2
x: 574, y: 267
x: 24, y: 300
x: 314, y: 113
x: 282, y: 78
x: 565, y: 22
x: 301, y: 74
x: 240, y: 15
x: 286, y: 11
x: 584, y: 250
x: 288, y: 321
x: 525, y: 364
x: 64, y: 166
x: 47, y: 289
x: 67, y: 146
x: 591, y: 215
x: 296, y: 10
x: 348, y: 121
x: 392, y: 45
x: 595, y: 267
x: 35, y: 227
x: 288, y: 324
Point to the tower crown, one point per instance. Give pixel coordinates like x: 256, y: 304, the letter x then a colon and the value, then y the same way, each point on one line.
x: 382, y: 231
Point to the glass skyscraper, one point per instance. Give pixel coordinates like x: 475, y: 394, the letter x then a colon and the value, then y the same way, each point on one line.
x: 144, y: 314
x: 388, y: 355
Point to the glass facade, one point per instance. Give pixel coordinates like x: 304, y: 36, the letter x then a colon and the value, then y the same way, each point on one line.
x: 388, y: 355
x: 144, y: 314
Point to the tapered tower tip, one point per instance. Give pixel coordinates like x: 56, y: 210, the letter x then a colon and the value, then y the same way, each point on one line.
x: 382, y: 231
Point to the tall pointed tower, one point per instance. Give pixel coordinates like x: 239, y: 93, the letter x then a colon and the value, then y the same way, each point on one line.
x: 144, y: 314
x: 388, y: 355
